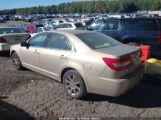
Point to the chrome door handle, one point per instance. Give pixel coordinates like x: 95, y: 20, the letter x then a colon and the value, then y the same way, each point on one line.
x: 63, y: 57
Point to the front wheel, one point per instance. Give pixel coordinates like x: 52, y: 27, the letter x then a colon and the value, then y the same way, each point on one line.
x: 74, y: 84
x: 16, y: 61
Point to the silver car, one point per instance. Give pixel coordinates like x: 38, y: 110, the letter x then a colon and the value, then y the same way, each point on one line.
x: 10, y: 36
x: 85, y: 62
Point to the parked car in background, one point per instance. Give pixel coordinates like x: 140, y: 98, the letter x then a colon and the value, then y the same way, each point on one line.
x: 138, y: 31
x: 2, y: 20
x: 102, y: 65
x: 66, y: 26
x: 10, y: 36
x: 55, y: 22
x: 43, y: 29
x: 23, y: 26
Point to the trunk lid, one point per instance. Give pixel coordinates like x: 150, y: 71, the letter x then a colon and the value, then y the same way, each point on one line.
x: 123, y: 52
x: 15, y: 38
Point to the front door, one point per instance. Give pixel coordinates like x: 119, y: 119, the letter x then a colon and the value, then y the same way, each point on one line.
x: 55, y: 55
x: 31, y: 55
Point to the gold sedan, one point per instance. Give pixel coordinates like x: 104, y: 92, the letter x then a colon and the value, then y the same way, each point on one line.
x: 85, y: 62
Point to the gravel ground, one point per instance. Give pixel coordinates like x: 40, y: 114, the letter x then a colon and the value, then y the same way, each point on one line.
x: 26, y: 95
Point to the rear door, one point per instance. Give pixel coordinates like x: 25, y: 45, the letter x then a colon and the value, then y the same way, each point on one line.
x: 55, y: 55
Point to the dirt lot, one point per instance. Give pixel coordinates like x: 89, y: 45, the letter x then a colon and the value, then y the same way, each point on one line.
x: 26, y: 95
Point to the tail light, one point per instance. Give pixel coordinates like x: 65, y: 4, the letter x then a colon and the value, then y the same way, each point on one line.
x: 159, y: 38
x: 118, y: 64
x: 2, y: 40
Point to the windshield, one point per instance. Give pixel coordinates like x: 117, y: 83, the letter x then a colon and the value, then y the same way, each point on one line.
x: 97, y: 40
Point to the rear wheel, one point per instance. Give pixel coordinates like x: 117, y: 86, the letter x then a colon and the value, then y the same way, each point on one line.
x: 16, y: 61
x: 74, y: 84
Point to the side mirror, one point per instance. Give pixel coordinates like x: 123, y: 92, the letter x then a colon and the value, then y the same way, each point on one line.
x: 24, y: 44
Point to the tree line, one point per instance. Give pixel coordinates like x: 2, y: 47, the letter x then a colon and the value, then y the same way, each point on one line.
x: 94, y: 6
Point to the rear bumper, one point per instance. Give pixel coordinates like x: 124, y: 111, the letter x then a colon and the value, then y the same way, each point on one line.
x: 114, y: 87
x: 4, y: 47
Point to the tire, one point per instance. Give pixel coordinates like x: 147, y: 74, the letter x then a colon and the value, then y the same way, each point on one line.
x: 16, y: 61
x: 74, y: 84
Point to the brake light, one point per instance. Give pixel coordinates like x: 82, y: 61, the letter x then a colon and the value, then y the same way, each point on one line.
x: 159, y: 38
x: 2, y: 40
x: 118, y: 64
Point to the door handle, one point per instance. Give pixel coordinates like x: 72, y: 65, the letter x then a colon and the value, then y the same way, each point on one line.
x: 63, y: 57
x: 36, y: 51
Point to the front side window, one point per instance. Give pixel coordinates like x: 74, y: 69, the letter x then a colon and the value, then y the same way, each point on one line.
x: 64, y: 25
x: 95, y: 26
x: 38, y: 41
x: 58, y: 41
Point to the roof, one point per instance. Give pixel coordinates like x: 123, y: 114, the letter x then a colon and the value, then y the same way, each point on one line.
x: 122, y: 19
x: 9, y: 27
x: 75, y: 31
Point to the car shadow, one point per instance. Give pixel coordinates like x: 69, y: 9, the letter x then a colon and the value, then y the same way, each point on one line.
x: 11, y: 112
x: 5, y: 54
x: 147, y: 94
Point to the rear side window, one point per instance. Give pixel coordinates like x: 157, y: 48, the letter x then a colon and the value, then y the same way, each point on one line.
x: 47, y: 28
x: 130, y: 26
x: 111, y: 25
x: 140, y: 25
x: 148, y: 25
x: 97, y: 40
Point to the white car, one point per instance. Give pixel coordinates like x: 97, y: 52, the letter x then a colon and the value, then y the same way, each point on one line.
x: 66, y: 26
x: 10, y: 36
x: 55, y: 22
x: 43, y: 29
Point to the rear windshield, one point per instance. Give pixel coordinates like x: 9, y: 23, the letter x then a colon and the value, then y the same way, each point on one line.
x: 11, y: 30
x: 142, y: 25
x: 97, y: 40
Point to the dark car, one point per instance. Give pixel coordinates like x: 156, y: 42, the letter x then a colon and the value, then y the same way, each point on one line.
x: 2, y: 20
x: 138, y: 31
